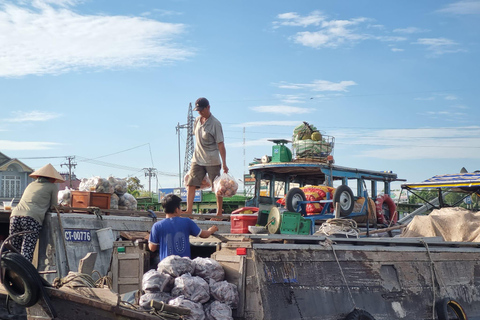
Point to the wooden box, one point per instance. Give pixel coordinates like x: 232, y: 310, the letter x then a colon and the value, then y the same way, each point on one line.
x: 84, y: 199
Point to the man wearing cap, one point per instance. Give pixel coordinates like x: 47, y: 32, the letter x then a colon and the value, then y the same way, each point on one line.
x: 209, y: 148
x: 28, y: 215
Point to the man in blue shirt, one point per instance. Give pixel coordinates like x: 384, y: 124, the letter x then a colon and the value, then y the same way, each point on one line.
x: 171, y: 235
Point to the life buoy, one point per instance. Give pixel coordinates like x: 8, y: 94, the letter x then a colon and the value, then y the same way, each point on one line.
x: 445, y: 305
x: 359, y: 314
x: 392, y: 217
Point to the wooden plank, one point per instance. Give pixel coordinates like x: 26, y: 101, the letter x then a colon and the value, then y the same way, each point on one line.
x: 135, y: 235
x: 87, y: 263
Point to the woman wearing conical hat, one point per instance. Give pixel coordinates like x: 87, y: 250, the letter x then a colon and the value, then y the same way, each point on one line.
x: 28, y: 215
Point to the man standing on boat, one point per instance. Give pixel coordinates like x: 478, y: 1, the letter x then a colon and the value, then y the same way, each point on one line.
x: 209, y: 148
x: 171, y: 235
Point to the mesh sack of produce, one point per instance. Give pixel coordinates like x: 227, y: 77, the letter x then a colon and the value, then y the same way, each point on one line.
x: 154, y: 281
x: 119, y: 185
x: 114, y: 201
x: 208, y: 268
x: 128, y: 201
x: 192, y: 288
x: 145, y: 299
x: 206, y: 184
x: 225, y: 185
x: 217, y: 311
x: 176, y: 266
x: 196, y: 309
x: 224, y: 292
x: 64, y: 197
x: 98, y: 184
x: 303, y: 131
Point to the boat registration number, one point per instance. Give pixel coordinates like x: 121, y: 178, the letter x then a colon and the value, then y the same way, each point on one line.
x: 78, y: 235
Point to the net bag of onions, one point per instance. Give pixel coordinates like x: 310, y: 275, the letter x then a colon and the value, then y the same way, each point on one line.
x: 225, y: 185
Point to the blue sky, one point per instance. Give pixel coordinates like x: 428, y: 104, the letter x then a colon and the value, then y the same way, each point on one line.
x: 107, y: 81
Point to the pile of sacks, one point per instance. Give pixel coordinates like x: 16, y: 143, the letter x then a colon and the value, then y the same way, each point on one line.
x: 120, y: 199
x: 197, y: 285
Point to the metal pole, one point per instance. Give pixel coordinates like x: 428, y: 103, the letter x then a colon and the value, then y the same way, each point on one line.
x: 179, y: 161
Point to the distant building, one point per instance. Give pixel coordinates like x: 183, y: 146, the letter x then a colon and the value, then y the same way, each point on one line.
x: 13, y: 178
x: 73, y: 184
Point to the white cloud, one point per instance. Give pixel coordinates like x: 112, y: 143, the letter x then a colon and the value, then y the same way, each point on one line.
x: 32, y: 116
x: 397, y: 50
x: 50, y: 40
x: 268, y: 123
x: 427, y: 143
x: 330, y: 33
x: 27, y: 145
x: 285, y: 110
x: 439, y: 46
x: 450, y: 97
x: 291, y: 98
x: 293, y: 19
x: 462, y: 7
x: 410, y: 30
x: 319, y: 85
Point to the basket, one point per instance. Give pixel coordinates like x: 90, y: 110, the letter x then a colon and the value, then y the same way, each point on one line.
x: 310, y: 150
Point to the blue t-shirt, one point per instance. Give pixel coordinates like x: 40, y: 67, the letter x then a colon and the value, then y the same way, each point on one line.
x: 172, y: 236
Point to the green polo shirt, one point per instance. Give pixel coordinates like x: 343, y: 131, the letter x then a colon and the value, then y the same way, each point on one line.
x: 37, y: 199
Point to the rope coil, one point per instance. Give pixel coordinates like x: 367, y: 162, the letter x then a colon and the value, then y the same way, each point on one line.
x: 347, y: 227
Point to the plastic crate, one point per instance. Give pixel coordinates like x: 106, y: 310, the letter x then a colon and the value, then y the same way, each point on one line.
x: 239, y: 222
x: 304, y: 226
x: 263, y: 217
x: 290, y: 222
x: 294, y: 223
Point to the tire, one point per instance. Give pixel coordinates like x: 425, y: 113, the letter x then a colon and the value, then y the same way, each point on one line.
x: 448, y: 309
x: 294, y: 195
x: 21, y: 279
x: 359, y: 314
x: 344, y: 196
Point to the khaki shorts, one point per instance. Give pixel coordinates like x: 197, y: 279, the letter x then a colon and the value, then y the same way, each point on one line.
x: 197, y: 173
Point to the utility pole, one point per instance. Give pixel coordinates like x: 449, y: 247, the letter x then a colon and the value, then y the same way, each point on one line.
x: 70, y: 164
x: 150, y: 172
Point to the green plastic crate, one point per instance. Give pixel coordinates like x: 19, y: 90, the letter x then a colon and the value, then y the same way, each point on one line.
x: 304, y: 226
x: 294, y: 223
x: 262, y: 217
x: 290, y: 222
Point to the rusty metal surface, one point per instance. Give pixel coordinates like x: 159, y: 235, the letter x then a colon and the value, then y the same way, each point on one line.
x: 396, y: 282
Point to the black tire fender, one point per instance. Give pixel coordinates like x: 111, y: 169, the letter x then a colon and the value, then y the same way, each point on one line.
x: 359, y: 314
x: 293, y: 196
x: 344, y: 195
x: 445, y: 305
x: 21, y: 279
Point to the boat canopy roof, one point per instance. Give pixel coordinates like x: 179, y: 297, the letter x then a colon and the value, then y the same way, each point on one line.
x: 466, y: 182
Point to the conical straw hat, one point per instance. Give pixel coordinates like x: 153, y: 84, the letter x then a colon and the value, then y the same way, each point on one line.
x: 47, y: 171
